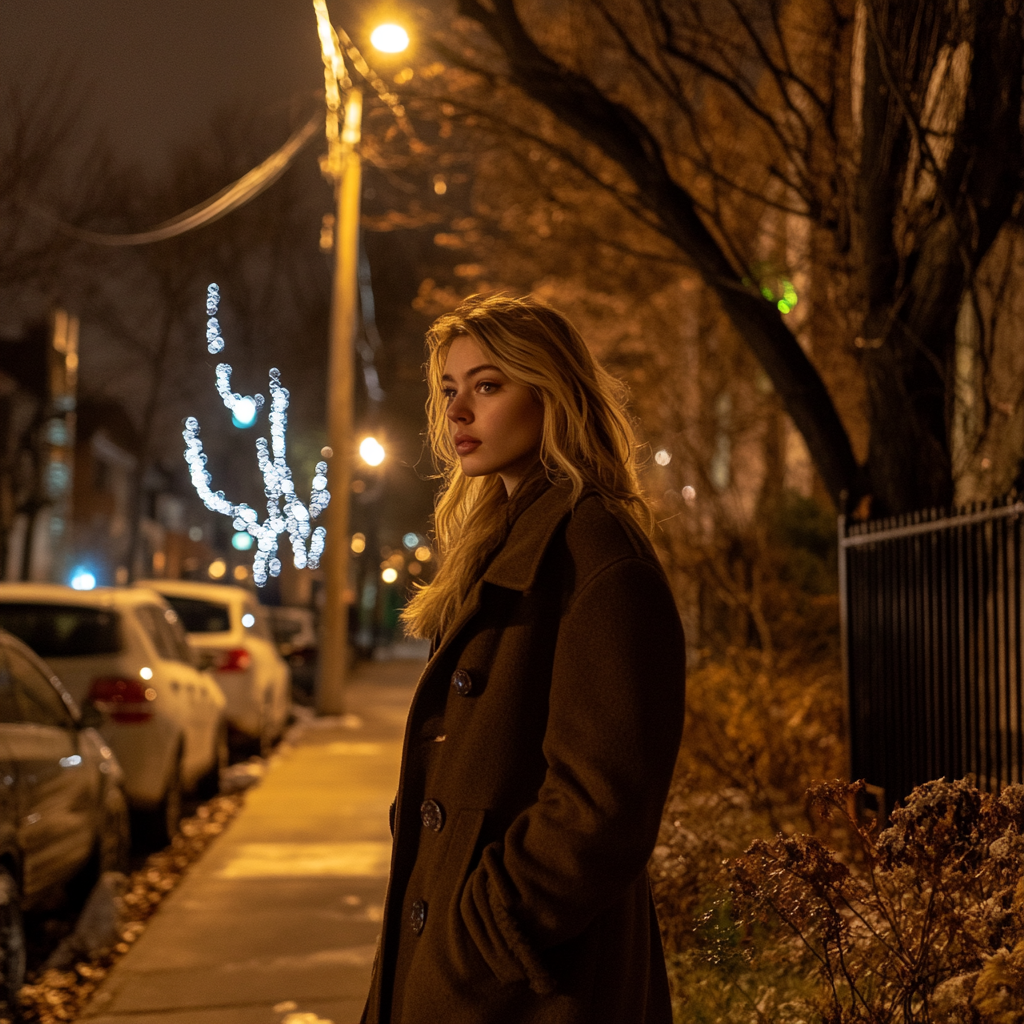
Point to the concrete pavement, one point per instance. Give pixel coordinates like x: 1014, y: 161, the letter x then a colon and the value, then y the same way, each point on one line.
x: 281, y: 915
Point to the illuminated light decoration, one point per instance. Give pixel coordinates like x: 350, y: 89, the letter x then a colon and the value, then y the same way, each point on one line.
x: 358, y: 543
x: 240, y: 572
x: 242, y: 541
x: 244, y: 413
x: 248, y: 620
x: 411, y: 540
x: 389, y: 38
x: 389, y: 575
x: 422, y: 553
x: 286, y: 513
x: 662, y: 457
x: 146, y: 672
x: 689, y: 494
x: 82, y: 579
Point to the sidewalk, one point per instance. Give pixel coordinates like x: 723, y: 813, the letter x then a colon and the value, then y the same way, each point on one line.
x: 282, y: 913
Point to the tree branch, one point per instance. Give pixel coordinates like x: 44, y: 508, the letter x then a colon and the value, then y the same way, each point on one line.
x: 625, y: 139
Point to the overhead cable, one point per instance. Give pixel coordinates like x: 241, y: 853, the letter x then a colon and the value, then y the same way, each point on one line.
x: 237, y: 194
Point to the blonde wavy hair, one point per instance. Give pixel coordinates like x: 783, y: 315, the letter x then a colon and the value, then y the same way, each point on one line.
x: 587, y: 440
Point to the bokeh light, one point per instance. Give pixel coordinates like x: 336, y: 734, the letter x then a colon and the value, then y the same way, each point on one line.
x: 371, y: 451
x: 82, y: 579
x: 389, y: 38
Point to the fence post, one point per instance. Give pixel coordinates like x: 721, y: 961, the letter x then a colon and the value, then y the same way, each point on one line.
x: 844, y: 642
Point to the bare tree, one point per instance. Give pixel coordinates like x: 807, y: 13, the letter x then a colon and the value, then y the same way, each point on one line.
x: 891, y: 132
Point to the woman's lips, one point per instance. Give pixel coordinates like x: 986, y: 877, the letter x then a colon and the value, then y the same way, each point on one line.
x: 465, y: 445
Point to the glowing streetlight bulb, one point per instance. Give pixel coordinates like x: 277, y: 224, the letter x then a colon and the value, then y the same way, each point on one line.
x: 389, y: 38
x: 371, y: 451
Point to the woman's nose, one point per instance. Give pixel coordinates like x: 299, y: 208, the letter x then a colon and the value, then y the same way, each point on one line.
x: 458, y: 410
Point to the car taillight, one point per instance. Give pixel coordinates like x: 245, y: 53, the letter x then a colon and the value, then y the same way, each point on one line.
x: 123, y: 698
x: 237, y: 660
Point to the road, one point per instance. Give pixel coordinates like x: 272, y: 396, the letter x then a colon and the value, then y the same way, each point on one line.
x: 280, y: 918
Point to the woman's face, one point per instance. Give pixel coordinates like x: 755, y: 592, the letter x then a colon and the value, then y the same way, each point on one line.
x: 495, y: 423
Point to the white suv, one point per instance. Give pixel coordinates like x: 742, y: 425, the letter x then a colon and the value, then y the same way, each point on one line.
x: 125, y: 651
x: 230, y: 631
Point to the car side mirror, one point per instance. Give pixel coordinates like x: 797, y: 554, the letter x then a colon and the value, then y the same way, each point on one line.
x: 90, y: 717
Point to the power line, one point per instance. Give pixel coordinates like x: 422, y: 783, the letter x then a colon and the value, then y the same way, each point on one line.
x: 237, y: 194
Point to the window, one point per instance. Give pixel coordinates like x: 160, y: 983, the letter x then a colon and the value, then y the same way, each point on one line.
x: 151, y: 621
x: 36, y: 700
x: 167, y: 635
x: 200, y: 616
x: 63, y: 631
x: 177, y: 633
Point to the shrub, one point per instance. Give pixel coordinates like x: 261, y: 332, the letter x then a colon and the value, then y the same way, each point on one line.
x: 921, y: 924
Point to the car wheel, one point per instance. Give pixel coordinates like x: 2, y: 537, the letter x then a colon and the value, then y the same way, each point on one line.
x: 209, y: 785
x: 157, y: 827
x: 115, y: 839
x: 12, y: 944
x: 264, y: 745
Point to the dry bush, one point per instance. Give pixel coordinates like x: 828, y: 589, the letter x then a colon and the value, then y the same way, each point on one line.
x: 921, y: 923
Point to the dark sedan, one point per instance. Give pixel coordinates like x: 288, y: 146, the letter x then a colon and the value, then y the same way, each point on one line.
x: 63, y: 816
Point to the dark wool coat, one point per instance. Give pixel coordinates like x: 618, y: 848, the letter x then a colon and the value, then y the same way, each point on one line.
x: 538, y: 753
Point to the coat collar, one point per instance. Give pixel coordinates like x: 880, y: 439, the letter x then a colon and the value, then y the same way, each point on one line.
x: 541, y: 507
x: 516, y: 564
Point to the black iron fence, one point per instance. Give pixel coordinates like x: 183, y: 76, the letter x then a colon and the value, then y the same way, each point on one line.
x: 931, y: 610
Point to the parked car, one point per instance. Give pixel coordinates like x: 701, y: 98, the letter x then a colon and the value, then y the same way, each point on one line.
x: 63, y: 814
x: 295, y: 635
x: 124, y: 651
x: 231, y: 633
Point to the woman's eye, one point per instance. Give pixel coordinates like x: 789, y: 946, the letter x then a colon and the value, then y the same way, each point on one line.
x: 449, y: 394
x: 487, y: 387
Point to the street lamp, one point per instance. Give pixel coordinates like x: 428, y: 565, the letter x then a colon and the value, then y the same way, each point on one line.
x: 371, y: 451
x: 342, y: 167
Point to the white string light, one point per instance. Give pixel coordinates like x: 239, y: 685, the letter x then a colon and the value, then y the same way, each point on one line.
x: 286, y: 513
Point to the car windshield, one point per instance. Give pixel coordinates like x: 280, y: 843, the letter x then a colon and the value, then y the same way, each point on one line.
x: 63, y: 631
x: 200, y: 616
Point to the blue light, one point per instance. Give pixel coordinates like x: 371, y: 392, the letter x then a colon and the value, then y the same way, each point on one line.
x: 244, y: 413
x: 241, y: 541
x: 411, y: 540
x: 82, y: 579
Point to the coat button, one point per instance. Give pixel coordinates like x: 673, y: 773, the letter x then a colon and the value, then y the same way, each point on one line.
x: 432, y: 815
x: 463, y: 682
x: 418, y: 916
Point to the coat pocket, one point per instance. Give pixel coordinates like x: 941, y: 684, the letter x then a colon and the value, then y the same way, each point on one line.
x: 445, y: 966
x: 462, y: 857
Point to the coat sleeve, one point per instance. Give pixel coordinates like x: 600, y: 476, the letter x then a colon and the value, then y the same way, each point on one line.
x: 614, y: 724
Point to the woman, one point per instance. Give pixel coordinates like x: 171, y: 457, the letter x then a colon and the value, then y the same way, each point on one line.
x: 544, y: 730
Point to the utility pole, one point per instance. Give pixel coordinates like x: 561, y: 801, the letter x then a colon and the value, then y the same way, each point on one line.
x: 343, y: 165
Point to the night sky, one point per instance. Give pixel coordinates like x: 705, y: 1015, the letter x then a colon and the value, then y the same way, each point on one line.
x: 156, y: 69
x: 155, y: 72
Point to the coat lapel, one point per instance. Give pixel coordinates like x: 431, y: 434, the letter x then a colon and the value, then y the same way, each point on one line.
x: 517, y: 562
